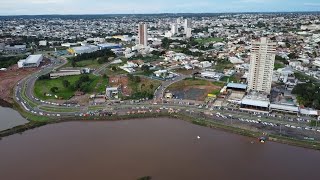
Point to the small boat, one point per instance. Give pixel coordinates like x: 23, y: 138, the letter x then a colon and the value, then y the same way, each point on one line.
x: 262, y: 139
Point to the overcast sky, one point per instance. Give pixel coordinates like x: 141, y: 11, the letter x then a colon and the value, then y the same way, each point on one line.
x: 35, y: 7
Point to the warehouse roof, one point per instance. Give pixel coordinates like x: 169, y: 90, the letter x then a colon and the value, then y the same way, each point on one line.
x: 33, y: 59
x: 237, y: 86
x: 284, y: 107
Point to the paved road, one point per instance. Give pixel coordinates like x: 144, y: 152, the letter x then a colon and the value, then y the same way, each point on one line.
x: 159, y: 93
x: 24, y: 96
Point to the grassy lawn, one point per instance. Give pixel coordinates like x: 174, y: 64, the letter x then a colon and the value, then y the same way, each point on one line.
x: 146, y: 86
x: 231, y: 79
x: 145, y: 73
x: 117, y: 71
x: 185, y: 71
x: 218, y: 83
x: 223, y: 64
x: 209, y: 40
x: 57, y: 109
x: 278, y: 66
x: 97, y: 85
x: 90, y: 63
x: 215, y: 92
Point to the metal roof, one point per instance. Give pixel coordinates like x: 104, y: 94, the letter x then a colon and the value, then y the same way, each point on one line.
x: 33, y: 59
x: 254, y: 102
x: 284, y: 107
x: 237, y: 86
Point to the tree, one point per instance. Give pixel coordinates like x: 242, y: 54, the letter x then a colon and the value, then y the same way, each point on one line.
x: 151, y: 86
x: 145, y: 68
x: 114, y: 68
x: 104, y: 76
x: 165, y: 43
x: 65, y: 83
x: 73, y: 63
x: 54, y: 89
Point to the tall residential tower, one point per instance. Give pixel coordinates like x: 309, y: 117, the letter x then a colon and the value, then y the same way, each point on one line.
x: 143, y: 34
x: 262, y: 59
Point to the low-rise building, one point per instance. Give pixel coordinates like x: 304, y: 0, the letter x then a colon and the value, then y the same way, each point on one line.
x: 83, y: 49
x: 31, y: 61
x: 112, y: 92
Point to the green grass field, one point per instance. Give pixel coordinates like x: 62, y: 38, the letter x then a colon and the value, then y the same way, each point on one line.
x: 146, y: 86
x: 111, y: 72
x: 230, y: 78
x: 93, y: 64
x: 97, y: 85
x: 278, y: 66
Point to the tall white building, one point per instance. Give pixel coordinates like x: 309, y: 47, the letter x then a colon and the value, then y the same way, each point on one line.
x: 174, y: 29
x: 143, y: 34
x: 187, y: 24
x: 188, y: 33
x: 262, y: 59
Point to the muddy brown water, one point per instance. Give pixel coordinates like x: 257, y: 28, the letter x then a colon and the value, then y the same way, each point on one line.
x: 10, y: 118
x: 165, y: 149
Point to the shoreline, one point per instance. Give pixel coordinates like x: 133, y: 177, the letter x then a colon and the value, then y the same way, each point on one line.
x: 5, y: 104
x: 315, y: 145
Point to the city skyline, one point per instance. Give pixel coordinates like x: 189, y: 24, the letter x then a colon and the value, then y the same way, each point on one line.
x: 39, y: 7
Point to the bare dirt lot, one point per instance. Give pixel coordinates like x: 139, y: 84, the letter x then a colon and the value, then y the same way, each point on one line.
x: 193, y: 89
x: 9, y: 78
x: 123, y: 82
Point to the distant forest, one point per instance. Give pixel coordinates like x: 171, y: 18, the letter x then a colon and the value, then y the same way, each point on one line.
x: 147, y: 16
x: 7, y: 61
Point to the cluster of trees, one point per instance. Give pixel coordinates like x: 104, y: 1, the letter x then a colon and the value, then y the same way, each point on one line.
x: 308, y: 94
x: 145, y: 91
x: 166, y: 42
x: 82, y: 84
x: 7, y: 61
x: 282, y: 60
x: 158, y: 53
x: 101, y: 55
x: 142, y: 95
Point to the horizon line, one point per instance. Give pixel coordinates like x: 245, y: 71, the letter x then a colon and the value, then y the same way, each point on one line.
x: 169, y: 13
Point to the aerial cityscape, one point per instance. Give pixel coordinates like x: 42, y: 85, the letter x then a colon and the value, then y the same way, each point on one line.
x: 186, y: 90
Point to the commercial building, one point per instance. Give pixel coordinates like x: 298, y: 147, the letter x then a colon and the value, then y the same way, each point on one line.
x: 256, y: 102
x: 15, y: 49
x: 43, y: 43
x: 211, y: 75
x: 109, y: 46
x: 188, y: 33
x: 31, y: 61
x: 83, y: 49
x: 112, y: 92
x: 174, y: 29
x: 187, y: 24
x: 143, y: 34
x: 262, y: 59
x: 63, y: 73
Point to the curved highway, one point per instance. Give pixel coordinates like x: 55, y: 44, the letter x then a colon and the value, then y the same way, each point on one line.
x: 23, y: 93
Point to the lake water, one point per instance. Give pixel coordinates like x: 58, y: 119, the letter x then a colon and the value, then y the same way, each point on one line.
x: 165, y: 149
x: 10, y: 118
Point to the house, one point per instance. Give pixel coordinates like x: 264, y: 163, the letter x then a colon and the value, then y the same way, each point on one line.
x: 112, y: 92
